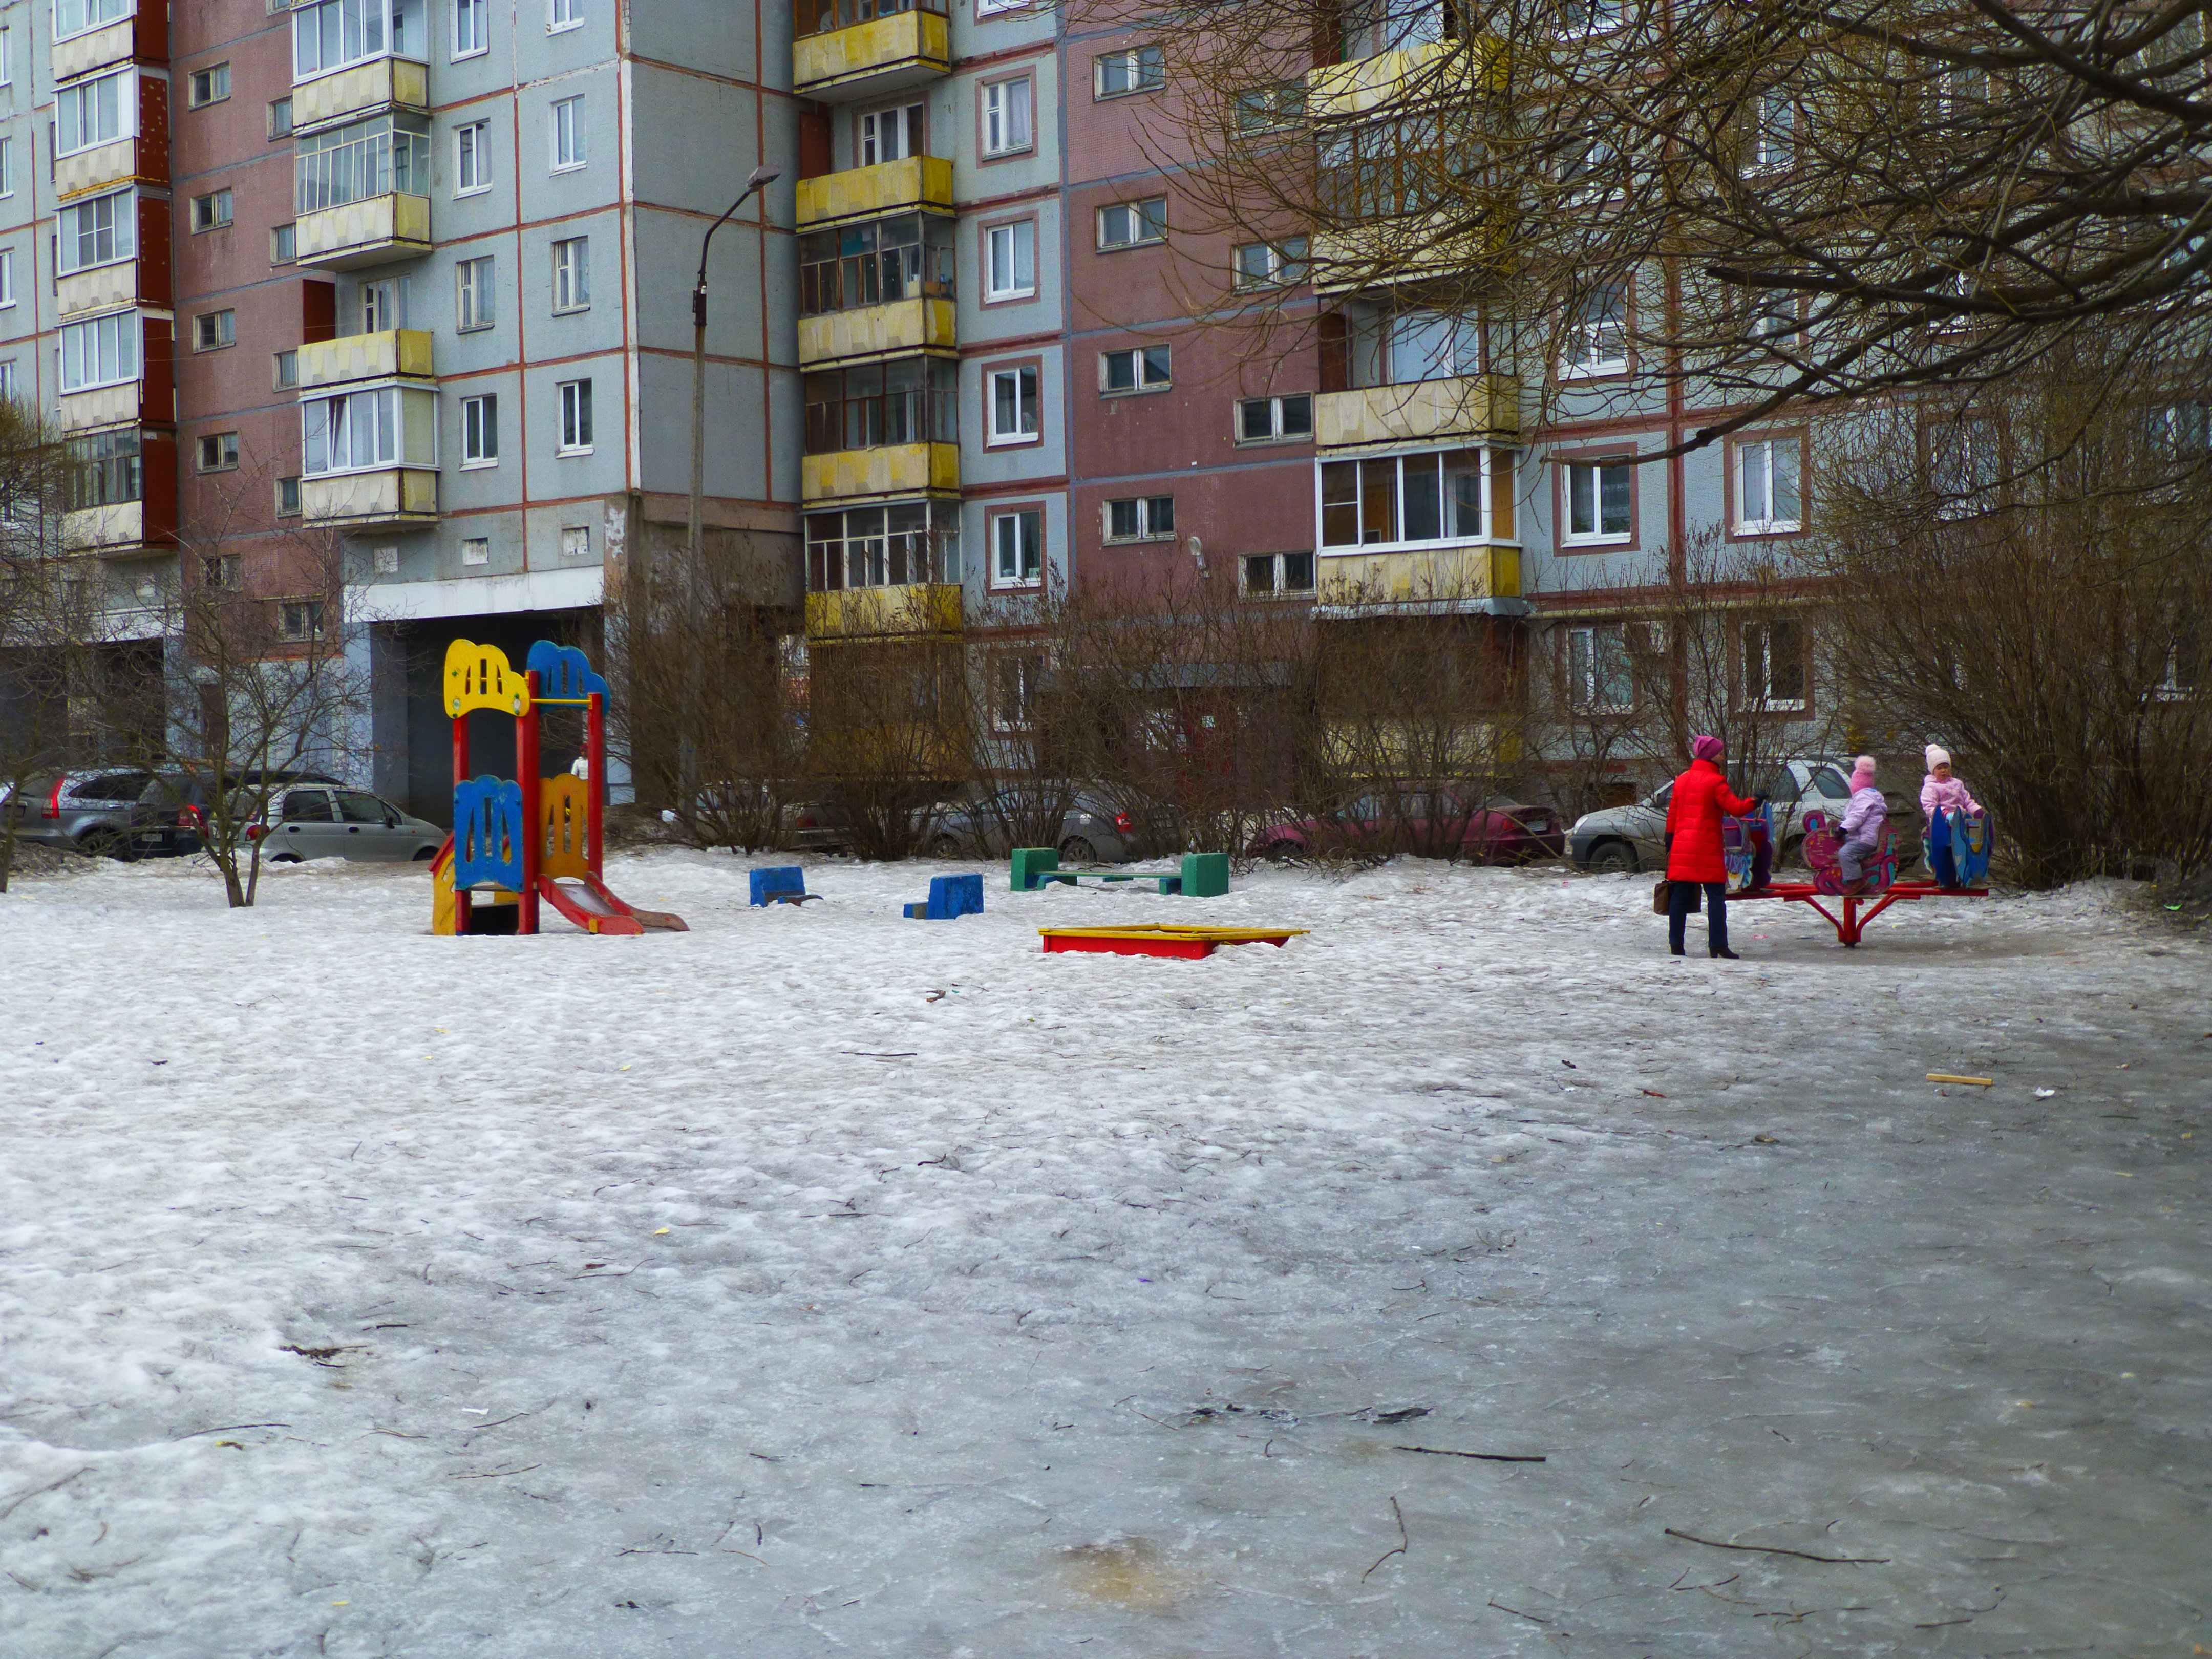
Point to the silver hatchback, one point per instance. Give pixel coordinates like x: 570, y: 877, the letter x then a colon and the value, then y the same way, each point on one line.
x: 304, y: 821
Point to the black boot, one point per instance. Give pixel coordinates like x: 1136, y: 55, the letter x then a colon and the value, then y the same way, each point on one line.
x: 1724, y: 953
x: 1674, y: 950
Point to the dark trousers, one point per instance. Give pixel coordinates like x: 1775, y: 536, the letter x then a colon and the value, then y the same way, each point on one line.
x: 1678, y: 912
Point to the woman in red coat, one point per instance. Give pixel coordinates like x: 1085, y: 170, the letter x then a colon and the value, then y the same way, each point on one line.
x: 1693, y: 845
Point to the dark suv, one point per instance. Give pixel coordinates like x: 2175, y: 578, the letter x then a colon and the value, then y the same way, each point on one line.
x: 123, y: 812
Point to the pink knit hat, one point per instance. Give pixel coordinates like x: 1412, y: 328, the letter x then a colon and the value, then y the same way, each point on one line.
x: 1937, y: 755
x: 1863, y: 773
x: 1707, y: 748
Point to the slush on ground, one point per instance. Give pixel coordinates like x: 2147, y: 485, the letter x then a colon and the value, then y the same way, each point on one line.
x: 1465, y: 1278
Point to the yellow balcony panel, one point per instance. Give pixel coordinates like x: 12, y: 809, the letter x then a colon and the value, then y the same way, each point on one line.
x: 860, y: 613
x: 346, y: 94
x: 97, y: 168
x: 107, y: 405
x: 1387, y: 414
x: 81, y: 54
x: 912, y: 748
x: 1440, y: 69
x: 1408, y: 750
x: 102, y: 289
x: 121, y: 524
x: 869, y: 193
x: 886, y: 55
x: 1398, y: 251
x: 366, y: 357
x: 392, y: 498
x: 368, y: 232
x: 892, y: 470
x: 1449, y: 577
x: 902, y: 326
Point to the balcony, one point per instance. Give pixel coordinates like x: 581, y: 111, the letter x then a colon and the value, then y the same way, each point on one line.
x: 395, y: 351
x: 1394, y: 751
x: 1417, y: 75
x: 869, y: 58
x: 860, y: 613
x: 144, y: 34
x: 1423, y: 581
x: 347, y: 94
x: 1385, y: 416
x: 104, y: 529
x: 101, y: 167
x: 102, y: 289
x: 849, y: 474
x: 391, y: 498
x: 919, y: 181
x: 108, y: 405
x: 368, y: 232
x: 899, y: 326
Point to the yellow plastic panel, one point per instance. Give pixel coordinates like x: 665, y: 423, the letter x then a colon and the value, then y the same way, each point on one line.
x: 480, y: 677
x: 565, y: 803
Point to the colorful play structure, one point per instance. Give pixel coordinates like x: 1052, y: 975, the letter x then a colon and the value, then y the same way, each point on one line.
x: 1159, y: 939
x: 1956, y: 850
x: 1203, y: 875
x: 517, y: 841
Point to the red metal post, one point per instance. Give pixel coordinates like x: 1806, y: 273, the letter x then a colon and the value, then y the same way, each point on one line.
x: 526, y: 774
x: 595, y: 797
x: 460, y: 777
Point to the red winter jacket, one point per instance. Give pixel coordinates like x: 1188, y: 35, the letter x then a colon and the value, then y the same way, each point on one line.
x: 1693, y: 818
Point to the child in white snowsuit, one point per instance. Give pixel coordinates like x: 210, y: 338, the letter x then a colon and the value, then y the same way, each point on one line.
x: 1862, y: 825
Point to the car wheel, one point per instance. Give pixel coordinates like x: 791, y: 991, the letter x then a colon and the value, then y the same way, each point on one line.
x: 945, y: 847
x: 1076, y: 850
x: 284, y: 858
x: 424, y: 854
x: 1612, y: 857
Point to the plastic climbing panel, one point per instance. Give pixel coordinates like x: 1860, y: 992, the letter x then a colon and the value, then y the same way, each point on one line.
x: 564, y: 813
x: 562, y: 671
x: 480, y: 677
x: 487, y: 833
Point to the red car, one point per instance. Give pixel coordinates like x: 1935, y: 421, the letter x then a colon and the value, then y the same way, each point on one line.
x: 1431, y: 824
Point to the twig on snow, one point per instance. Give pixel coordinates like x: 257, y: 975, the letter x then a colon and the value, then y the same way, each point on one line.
x: 495, y: 1474
x: 1486, y: 1457
x: 17, y: 1502
x: 1775, y: 1549
x: 1517, y: 1612
x: 226, y: 1429
x: 1403, y: 1542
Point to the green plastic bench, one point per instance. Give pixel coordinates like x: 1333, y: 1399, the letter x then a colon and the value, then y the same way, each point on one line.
x: 1204, y: 875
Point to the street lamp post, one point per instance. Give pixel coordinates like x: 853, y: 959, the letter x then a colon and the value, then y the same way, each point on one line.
x: 760, y: 178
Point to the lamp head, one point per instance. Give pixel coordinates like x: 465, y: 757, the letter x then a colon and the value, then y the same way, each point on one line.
x: 762, y: 176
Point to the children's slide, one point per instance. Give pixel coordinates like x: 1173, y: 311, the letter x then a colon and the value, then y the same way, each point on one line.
x: 587, y: 902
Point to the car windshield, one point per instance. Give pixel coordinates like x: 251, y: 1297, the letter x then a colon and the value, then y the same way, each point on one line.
x: 355, y: 807
x: 113, y: 785
x: 1832, y: 783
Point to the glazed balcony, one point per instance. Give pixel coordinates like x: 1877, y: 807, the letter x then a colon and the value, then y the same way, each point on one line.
x: 918, y: 181
x: 368, y: 232
x: 1470, y: 406
x: 1411, y: 76
x: 861, y: 613
x: 143, y: 35
x: 102, y: 289
x: 864, y: 475
x: 902, y: 326
x: 1423, y: 580
x: 878, y: 286
x: 394, y: 352
x: 848, y: 49
x: 389, y: 498
x: 362, y: 90
x: 104, y: 529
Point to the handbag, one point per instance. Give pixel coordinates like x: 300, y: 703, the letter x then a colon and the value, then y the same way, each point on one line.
x: 1662, y: 897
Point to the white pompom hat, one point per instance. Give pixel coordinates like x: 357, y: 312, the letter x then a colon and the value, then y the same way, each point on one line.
x: 1937, y: 755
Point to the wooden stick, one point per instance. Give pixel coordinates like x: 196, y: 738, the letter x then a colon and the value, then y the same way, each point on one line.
x: 1402, y: 1540
x: 1946, y: 1076
x: 1487, y: 1457
x: 1775, y: 1549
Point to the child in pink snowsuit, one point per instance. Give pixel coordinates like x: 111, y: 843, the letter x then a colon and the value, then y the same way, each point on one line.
x: 1939, y: 790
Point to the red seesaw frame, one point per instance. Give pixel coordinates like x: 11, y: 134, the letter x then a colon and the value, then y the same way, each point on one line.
x: 1851, y: 926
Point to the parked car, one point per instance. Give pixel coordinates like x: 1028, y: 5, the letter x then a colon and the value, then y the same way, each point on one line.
x: 1434, y: 823
x: 86, y: 812
x: 1634, y: 837
x: 1094, y: 830
x: 314, y: 821
x: 813, y: 826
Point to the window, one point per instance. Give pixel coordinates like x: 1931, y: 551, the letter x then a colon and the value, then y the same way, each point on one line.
x: 384, y: 560
x: 1012, y: 398
x: 1140, y: 369
x: 1436, y: 495
x: 1281, y: 575
x: 480, y: 430
x: 1599, y: 680
x: 95, y: 112
x: 985, y: 7
x: 218, y: 451
x: 1017, y: 689
x: 910, y: 257
x: 1264, y: 420
x: 572, y: 274
x: 333, y: 33
x: 7, y: 167
x: 883, y: 546
x: 1126, y: 224
x: 1432, y: 345
x: 1773, y: 139
x: 75, y: 17
x: 1770, y: 314
x: 301, y: 622
x: 568, y: 134
x: 287, y: 498
x: 283, y: 244
x: 208, y: 86
x: 472, y: 280
x: 376, y: 157
x: 476, y: 550
x: 1118, y: 74
x: 567, y: 14
x: 220, y: 571
x: 575, y: 417
x: 1592, y: 16
x: 384, y: 303
x: 1591, y: 173
x: 214, y: 330
x: 1774, y: 664
x: 7, y: 275
x: 105, y: 468
x: 285, y: 370
x: 575, y: 541
x: 1017, y: 548
x: 10, y: 385
x: 1270, y: 265
x: 280, y: 117
x: 471, y: 27
x: 1966, y: 463
x: 1600, y: 503
x: 1144, y: 518
x: 361, y: 431
x: 891, y: 134
x: 1010, y: 259
x: 471, y: 157
x: 907, y: 400
x: 1006, y: 116
x: 102, y: 352
x: 211, y: 211
x: 1597, y: 336
x: 1767, y: 498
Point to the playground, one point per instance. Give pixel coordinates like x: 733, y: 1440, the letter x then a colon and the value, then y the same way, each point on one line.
x: 1461, y: 1276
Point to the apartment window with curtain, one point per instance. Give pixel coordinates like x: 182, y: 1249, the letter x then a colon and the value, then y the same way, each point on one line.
x: 471, y: 157
x: 1010, y: 395
x: 75, y: 17
x: 363, y: 431
x: 568, y: 141
x: 1006, y: 117
x: 1773, y: 665
x: 575, y: 417
x: 1131, y: 224
x: 1138, y: 69
x: 471, y: 27
x: 1598, y: 504
x: 1597, y: 335
x: 336, y: 35
x: 1017, y: 548
x: 473, y: 280
x: 101, y: 352
x: 1769, y: 497
x: 572, y: 274
x: 480, y: 430
x: 1010, y: 260
x: 1433, y: 496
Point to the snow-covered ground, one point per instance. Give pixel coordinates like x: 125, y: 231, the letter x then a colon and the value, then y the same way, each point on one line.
x: 819, y: 1281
